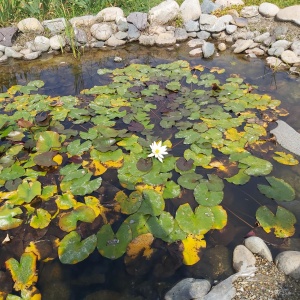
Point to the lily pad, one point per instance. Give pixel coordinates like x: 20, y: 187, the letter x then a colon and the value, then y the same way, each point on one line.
x: 192, y: 245
x: 27, y: 191
x: 48, y: 140
x: 75, y: 148
x: 189, y: 180
x: 131, y: 204
x: 285, y: 159
x: 41, y: 219
x: 7, y: 214
x: 161, y: 226
x: 153, y: 203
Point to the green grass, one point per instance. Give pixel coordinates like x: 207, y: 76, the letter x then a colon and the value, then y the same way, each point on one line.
x: 12, y: 11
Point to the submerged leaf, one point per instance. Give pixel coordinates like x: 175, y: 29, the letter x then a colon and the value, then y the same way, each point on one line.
x: 192, y: 245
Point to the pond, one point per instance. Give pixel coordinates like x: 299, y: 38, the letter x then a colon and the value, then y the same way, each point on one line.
x: 199, y: 162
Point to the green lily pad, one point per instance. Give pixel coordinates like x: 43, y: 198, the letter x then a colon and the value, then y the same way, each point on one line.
x: 240, y: 178
x: 189, y: 180
x: 206, y: 197
x: 27, y: 191
x: 75, y: 148
x: 137, y: 224
x: 172, y: 190
x: 256, y: 166
x: 282, y: 223
x: 113, y: 245
x: 131, y: 204
x: 153, y: 203
x: 41, y: 219
x: 161, y: 226
x: 278, y: 190
x: 72, y: 249
x: 7, y: 214
x: 47, y: 140
x: 12, y: 172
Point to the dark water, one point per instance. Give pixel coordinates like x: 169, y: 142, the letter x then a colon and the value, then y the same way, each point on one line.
x: 100, y: 278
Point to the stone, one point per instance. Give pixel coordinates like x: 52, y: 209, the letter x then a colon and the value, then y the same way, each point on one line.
x: 191, y: 26
x: 55, y: 26
x: 3, y: 58
x: 230, y: 29
x: 206, y: 19
x: 226, y: 3
x: 41, y: 43
x: 88, y: 20
x: 245, y: 44
x: 203, y: 35
x: 138, y: 19
x: 192, y: 34
x: 269, y: 41
x: 227, y: 19
x: 121, y: 35
x: 209, y: 6
x: 208, y: 49
x: 268, y: 10
x: 101, y: 32
x: 80, y: 35
x: 262, y: 37
x: 133, y: 33
x: 147, y: 40
x: 249, y: 11
x: 10, y: 52
x: 122, y: 24
x: 157, y: 29
x: 296, y: 47
x: 290, y: 13
x: 2, y: 48
x: 8, y: 35
x: 98, y: 44
x: 114, y: 42
x: 26, y: 51
x: 289, y: 263
x: 222, y: 47
x: 109, y: 14
x: 275, y: 63
x: 166, y: 11
x: 280, y: 31
x: 255, y: 51
x: 57, y: 42
x: 1, y: 54
x: 242, y: 258
x: 275, y: 51
x: 170, y: 28
x: 195, y: 43
x: 188, y: 288
x: 240, y: 22
x: 289, y: 57
x: 257, y: 246
x: 180, y: 34
x: 30, y: 25
x: 165, y: 39
x: 190, y: 10
x: 282, y: 43
x: 196, y: 52
x: 32, y: 55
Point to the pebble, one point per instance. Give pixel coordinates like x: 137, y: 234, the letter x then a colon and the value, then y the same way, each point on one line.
x: 245, y: 44
x: 208, y: 49
x: 57, y: 42
x: 258, y: 246
x: 242, y: 258
x: 195, y: 42
x: 222, y: 47
x: 268, y: 10
x: 249, y: 11
x: 289, y: 57
x: 289, y: 263
x: 196, y: 52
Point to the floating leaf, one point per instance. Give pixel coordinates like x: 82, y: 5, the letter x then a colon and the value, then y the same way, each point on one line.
x: 161, y: 226
x: 7, y: 214
x: 72, y: 250
x: 172, y: 190
x: 131, y: 204
x: 183, y: 164
x: 113, y: 245
x: 144, y: 165
x: 192, y: 245
x: 141, y: 245
x: 75, y: 148
x: 239, y: 178
x: 278, y: 190
x: 285, y: 159
x: 256, y: 166
x: 47, y: 140
x: 27, y: 191
x: 23, y: 273
x: 153, y: 203
x: 45, y: 159
x: 12, y: 173
x: 41, y: 219
x: 282, y: 223
x: 189, y: 180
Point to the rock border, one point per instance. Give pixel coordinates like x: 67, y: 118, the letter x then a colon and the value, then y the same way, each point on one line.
x: 206, y: 33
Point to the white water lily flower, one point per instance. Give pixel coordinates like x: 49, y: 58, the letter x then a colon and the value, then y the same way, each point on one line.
x: 158, y: 150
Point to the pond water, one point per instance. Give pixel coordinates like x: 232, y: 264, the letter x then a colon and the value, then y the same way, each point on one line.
x: 101, y: 278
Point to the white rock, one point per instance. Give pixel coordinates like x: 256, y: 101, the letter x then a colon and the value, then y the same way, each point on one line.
x: 275, y: 63
x: 57, y: 42
x: 296, y: 47
x: 195, y: 43
x: 190, y: 10
x: 226, y: 3
x: 249, y: 11
x: 83, y: 21
x: 222, y: 47
x: 26, y: 51
x: 256, y: 51
x: 242, y: 258
x: 3, y: 58
x: 147, y: 40
x: 41, y: 43
x: 290, y: 13
x: 32, y: 55
x: 262, y: 37
x: 289, y: 263
x: 166, y: 11
x: 268, y: 9
x: 114, y: 42
x: 165, y: 39
x: 10, y: 52
x: 289, y: 57
x: 257, y: 246
x: 109, y: 14
x: 230, y: 29
x: 2, y: 48
x: 281, y: 43
x: 55, y: 25
x: 196, y: 52
x: 30, y: 25
x: 101, y: 32
x: 157, y: 29
x: 245, y: 44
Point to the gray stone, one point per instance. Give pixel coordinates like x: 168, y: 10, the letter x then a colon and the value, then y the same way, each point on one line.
x: 218, y: 26
x: 133, y: 33
x: 138, y: 19
x: 157, y: 29
x: 55, y: 25
x: 170, y: 28
x: 195, y: 43
x: 296, y: 47
x: 114, y: 42
x: 1, y: 54
x: 2, y: 48
x: 240, y: 22
x: 289, y: 57
x: 262, y: 37
x: 207, y: 21
x: 242, y: 258
x: 188, y: 288
x: 208, y: 49
x: 109, y: 14
x: 101, y: 32
x: 180, y: 34
x: 147, y: 40
x: 249, y: 11
x: 3, y: 58
x: 290, y: 13
x: 41, y: 43
x: 289, y: 263
x: 165, y: 39
x: 208, y: 6
x: 121, y: 35
x: 275, y: 51
x: 196, y: 52
x: 280, y: 31
x: 190, y: 10
x: 98, y: 44
x: 245, y: 44
x: 32, y: 55
x: 203, y: 35
x: 226, y: 3
x: 25, y: 51
x: 275, y: 63
x: 57, y: 42
x: 192, y: 34
x: 257, y: 246
x: 30, y: 25
x: 268, y: 9
x: 227, y: 19
x: 8, y: 36
x: 269, y: 41
x: 282, y: 43
x: 166, y: 11
x: 255, y: 51
x: 122, y: 24
x: 83, y: 21
x: 222, y: 47
x: 80, y: 36
x: 10, y: 52
x: 191, y: 26
x: 230, y: 29
x: 118, y: 59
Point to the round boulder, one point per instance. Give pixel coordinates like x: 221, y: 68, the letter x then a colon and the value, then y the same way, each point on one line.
x: 101, y: 32
x: 289, y: 263
x: 30, y: 25
x: 268, y: 9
